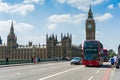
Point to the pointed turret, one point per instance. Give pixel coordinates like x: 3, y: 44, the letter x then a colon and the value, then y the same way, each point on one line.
x: 46, y: 37
x: 12, y: 29
x: 90, y: 15
x: 12, y: 39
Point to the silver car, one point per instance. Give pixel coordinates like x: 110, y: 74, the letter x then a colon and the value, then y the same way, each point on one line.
x: 76, y: 60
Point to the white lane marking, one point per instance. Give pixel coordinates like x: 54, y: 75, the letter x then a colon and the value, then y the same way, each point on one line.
x: 37, y: 69
x: 42, y: 69
x: 1, y: 77
x: 59, y: 73
x: 97, y: 71
x: 18, y: 73
x: 90, y: 78
x: 32, y: 70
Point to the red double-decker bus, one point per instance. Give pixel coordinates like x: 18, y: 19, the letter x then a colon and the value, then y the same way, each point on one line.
x: 92, y: 53
x: 106, y: 55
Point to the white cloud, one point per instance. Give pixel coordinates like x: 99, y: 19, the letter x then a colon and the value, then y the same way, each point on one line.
x: 95, y: 2
x: 67, y: 18
x: 23, y: 26
x: 34, y: 1
x: 22, y: 8
x: 61, y: 1
x: 16, y: 8
x: 5, y: 26
x: 52, y: 26
x: 21, y: 29
x: 36, y: 39
x: 111, y: 6
x: 99, y: 34
x: 4, y: 7
x: 81, y: 4
x: 104, y: 17
x: 119, y: 5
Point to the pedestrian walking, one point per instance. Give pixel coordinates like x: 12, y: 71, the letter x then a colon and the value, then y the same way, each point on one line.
x: 118, y: 62
x: 34, y: 60
x: 115, y: 60
x: 31, y: 59
x: 112, y: 62
x: 7, y: 60
x: 38, y: 59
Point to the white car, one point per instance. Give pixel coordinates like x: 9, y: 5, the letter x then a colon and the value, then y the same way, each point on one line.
x: 76, y: 60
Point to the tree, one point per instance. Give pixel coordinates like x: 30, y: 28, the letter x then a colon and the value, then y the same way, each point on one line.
x: 111, y: 53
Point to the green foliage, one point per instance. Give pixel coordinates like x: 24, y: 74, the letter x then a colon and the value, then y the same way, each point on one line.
x: 111, y: 53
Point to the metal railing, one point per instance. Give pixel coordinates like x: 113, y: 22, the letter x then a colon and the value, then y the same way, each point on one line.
x: 20, y: 61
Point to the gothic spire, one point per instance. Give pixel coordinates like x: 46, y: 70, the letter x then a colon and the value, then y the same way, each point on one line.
x: 90, y: 11
x: 90, y: 15
x: 12, y: 39
x: 12, y: 29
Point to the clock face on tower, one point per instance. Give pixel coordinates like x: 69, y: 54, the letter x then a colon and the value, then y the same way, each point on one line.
x: 89, y: 26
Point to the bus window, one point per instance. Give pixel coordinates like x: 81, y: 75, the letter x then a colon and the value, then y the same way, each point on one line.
x: 90, y: 54
x: 90, y: 44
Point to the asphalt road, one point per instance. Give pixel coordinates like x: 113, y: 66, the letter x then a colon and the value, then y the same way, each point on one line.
x: 116, y: 74
x: 55, y: 71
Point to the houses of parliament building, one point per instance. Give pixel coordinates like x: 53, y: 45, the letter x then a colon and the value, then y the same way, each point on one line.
x: 52, y: 49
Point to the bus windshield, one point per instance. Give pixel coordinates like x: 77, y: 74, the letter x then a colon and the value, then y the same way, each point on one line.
x: 106, y: 55
x: 91, y: 54
x: 105, y: 52
x: 91, y: 44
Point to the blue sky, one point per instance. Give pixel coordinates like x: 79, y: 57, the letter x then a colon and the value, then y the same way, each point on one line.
x: 33, y: 19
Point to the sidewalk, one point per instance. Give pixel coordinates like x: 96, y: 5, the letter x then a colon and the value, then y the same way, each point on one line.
x: 111, y: 74
x: 116, y: 74
x: 22, y: 64
x: 10, y: 65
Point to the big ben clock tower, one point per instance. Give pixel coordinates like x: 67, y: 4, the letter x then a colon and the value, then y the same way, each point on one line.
x: 90, y: 26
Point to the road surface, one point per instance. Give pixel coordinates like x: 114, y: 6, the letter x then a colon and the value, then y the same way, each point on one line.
x: 55, y: 71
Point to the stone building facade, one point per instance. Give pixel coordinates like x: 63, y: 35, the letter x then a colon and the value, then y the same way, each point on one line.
x: 53, y: 48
